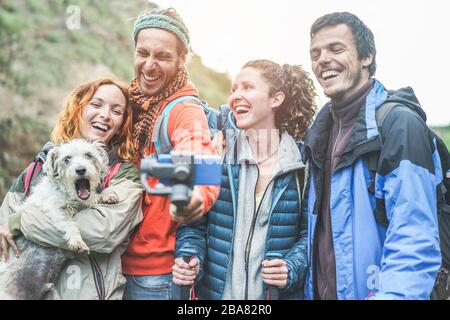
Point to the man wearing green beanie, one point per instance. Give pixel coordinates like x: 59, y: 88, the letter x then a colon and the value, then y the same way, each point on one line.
x: 162, y: 44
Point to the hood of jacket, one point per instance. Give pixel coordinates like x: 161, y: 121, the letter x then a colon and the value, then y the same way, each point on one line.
x: 407, y: 97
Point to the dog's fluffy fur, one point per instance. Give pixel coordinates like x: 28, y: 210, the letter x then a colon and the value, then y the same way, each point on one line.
x: 72, y: 176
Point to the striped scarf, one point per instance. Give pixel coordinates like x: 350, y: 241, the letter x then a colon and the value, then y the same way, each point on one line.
x: 146, y: 110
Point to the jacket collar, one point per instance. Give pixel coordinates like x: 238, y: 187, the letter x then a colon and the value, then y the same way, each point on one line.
x: 289, y: 156
x: 364, y: 130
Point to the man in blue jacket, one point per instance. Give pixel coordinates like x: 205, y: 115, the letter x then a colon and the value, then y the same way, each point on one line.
x: 353, y: 254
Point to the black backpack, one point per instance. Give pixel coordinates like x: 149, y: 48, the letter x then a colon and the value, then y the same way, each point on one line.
x: 443, y: 192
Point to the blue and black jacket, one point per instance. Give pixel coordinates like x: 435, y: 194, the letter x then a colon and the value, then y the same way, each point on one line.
x: 399, y: 260
x: 211, y: 238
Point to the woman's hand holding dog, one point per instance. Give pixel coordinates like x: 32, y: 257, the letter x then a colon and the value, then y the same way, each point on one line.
x: 7, y: 239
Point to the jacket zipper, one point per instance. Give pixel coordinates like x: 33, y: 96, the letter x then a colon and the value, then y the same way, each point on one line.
x: 250, y: 236
x: 336, y: 142
x: 231, y: 179
x: 252, y: 228
x: 331, y: 173
x: 338, y: 166
x: 358, y: 154
x: 341, y: 164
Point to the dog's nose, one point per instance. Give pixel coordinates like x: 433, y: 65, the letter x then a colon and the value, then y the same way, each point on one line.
x: 80, y: 171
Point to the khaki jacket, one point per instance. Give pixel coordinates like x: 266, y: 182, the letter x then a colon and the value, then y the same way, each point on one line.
x: 105, y: 228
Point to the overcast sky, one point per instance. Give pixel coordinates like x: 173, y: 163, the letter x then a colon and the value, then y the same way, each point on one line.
x: 411, y: 36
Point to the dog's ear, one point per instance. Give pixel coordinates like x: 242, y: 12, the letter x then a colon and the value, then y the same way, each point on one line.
x: 49, y: 166
x: 104, y: 159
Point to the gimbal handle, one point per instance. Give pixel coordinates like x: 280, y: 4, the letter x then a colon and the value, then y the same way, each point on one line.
x: 179, y: 173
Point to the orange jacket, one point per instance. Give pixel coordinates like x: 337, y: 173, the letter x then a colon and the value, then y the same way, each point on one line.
x: 152, y: 245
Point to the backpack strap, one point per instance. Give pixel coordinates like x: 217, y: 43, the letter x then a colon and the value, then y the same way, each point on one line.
x: 444, y: 155
x: 213, y: 118
x: 230, y: 119
x: 32, y: 170
x: 371, y: 161
x: 34, y: 167
x: 160, y: 135
x: 382, y: 112
x: 226, y: 120
x: 111, y: 172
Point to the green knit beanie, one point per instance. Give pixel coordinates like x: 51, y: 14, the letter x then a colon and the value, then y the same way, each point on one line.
x: 163, y: 22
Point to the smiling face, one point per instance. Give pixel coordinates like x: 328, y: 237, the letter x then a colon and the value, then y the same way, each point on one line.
x: 251, y: 102
x: 156, y: 60
x: 103, y: 116
x: 335, y: 62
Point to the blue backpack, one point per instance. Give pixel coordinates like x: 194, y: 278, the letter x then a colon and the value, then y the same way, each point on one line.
x: 217, y: 120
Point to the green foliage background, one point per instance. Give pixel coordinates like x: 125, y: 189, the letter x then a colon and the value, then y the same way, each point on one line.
x: 42, y: 61
x: 444, y: 133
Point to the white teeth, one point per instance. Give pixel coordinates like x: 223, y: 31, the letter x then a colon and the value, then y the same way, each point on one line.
x: 330, y: 73
x: 242, y: 109
x: 150, y: 78
x: 100, y: 126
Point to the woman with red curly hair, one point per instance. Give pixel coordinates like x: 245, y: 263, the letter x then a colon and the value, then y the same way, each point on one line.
x: 255, y: 237
x: 96, y: 111
x: 72, y: 118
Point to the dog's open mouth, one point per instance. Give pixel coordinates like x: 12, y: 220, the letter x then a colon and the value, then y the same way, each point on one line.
x: 83, y: 189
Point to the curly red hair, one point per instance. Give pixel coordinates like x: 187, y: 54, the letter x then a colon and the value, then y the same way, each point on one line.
x: 68, y: 123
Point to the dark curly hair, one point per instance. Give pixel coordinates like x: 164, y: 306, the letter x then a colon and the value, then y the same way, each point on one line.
x: 364, y: 39
x: 296, y: 112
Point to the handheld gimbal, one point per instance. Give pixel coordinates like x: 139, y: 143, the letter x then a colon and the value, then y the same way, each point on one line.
x: 178, y: 173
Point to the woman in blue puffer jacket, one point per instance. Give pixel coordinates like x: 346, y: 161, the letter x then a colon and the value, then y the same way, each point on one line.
x: 255, y: 236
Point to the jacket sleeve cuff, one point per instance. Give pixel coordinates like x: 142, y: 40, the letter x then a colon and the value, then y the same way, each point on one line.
x: 290, y: 280
x: 210, y: 195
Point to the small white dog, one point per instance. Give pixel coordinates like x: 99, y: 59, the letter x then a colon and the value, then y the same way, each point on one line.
x: 73, y: 173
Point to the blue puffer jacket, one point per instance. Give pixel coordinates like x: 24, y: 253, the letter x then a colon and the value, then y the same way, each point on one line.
x: 286, y: 237
x: 399, y: 260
